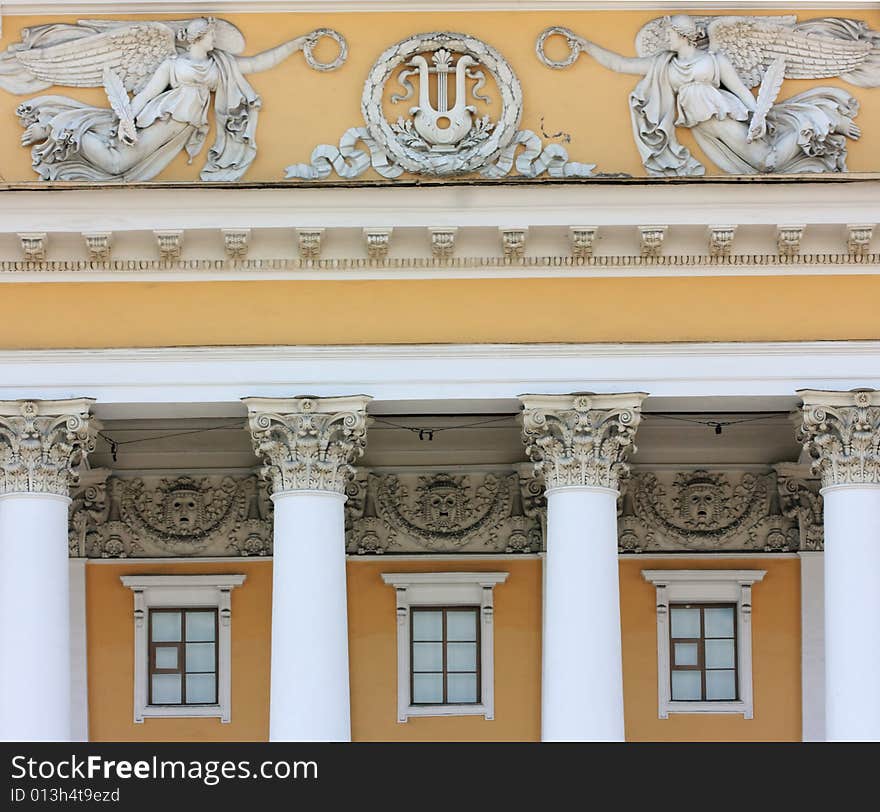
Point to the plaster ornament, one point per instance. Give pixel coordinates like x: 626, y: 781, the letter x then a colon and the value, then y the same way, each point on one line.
x: 513, y: 243
x: 581, y: 440
x: 98, y: 244
x: 33, y: 245
x: 443, y: 242
x: 799, y: 499
x: 42, y: 442
x: 582, y: 240
x: 439, y: 512
x: 699, y: 71
x: 378, y: 241
x: 652, y: 240
x: 236, y: 242
x: 308, y: 443
x: 170, y: 244
x: 721, y: 240
x: 172, y: 67
x: 788, y: 240
x: 446, y: 137
x: 310, y: 243
x: 859, y: 238
x: 180, y: 516
x: 841, y: 433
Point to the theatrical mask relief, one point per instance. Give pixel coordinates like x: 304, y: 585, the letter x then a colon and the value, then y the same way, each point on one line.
x: 439, y: 104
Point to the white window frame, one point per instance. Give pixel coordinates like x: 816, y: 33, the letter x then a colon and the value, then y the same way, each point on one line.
x: 705, y: 586
x: 415, y: 589
x: 183, y: 591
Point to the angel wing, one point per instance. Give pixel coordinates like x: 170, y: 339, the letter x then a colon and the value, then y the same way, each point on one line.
x: 60, y: 56
x: 812, y: 50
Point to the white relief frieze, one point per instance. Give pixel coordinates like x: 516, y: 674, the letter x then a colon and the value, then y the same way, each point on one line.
x: 173, y: 68
x: 445, y: 137
x: 699, y: 72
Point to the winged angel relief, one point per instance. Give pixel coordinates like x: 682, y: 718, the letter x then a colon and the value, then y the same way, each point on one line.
x: 172, y: 68
x: 699, y: 72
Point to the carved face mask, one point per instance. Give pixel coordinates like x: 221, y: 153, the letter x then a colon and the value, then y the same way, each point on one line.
x: 443, y: 508
x: 184, y: 510
x: 700, y: 505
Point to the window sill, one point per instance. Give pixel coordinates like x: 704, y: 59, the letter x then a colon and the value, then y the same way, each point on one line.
x: 446, y: 710
x: 183, y: 712
x: 707, y: 707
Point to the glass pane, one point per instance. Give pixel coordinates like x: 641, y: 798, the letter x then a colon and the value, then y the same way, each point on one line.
x: 427, y: 656
x: 200, y: 689
x: 461, y: 688
x: 199, y: 657
x: 719, y: 654
x: 461, y: 657
x: 427, y: 625
x: 166, y: 627
x: 461, y: 625
x: 720, y: 685
x: 166, y: 657
x: 686, y: 685
x: 428, y: 688
x: 685, y: 622
x: 200, y: 626
x: 166, y: 689
x: 685, y: 654
x: 719, y: 622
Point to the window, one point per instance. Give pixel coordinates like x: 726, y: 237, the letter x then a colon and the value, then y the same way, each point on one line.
x: 183, y: 657
x: 445, y: 643
x: 182, y: 644
x: 704, y: 640
x: 445, y: 656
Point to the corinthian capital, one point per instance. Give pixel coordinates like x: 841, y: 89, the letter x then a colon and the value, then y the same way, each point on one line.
x: 40, y: 443
x: 308, y: 443
x: 581, y: 439
x: 841, y: 432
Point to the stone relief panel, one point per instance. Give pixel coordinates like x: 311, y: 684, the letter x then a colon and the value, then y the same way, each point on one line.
x: 699, y: 72
x: 444, y: 512
x: 173, y: 68
x: 447, y: 136
x: 735, y: 511
x: 183, y: 516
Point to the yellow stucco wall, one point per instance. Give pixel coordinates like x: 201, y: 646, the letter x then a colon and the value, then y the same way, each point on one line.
x: 303, y: 108
x: 439, y: 311
x: 373, y: 655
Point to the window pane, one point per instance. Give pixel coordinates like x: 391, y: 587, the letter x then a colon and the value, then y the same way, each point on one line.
x: 200, y: 626
x: 166, y: 657
x: 686, y: 685
x: 427, y: 625
x: 199, y: 657
x: 427, y: 656
x: 685, y: 654
x: 462, y: 688
x: 719, y: 654
x: 719, y: 621
x: 685, y: 622
x: 461, y: 625
x: 166, y: 627
x: 200, y: 689
x: 461, y: 657
x: 166, y: 689
x: 428, y: 688
x: 720, y: 685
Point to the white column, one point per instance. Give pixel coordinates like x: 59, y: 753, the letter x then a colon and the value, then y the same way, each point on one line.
x: 579, y: 443
x: 841, y: 431
x: 39, y: 443
x: 308, y: 445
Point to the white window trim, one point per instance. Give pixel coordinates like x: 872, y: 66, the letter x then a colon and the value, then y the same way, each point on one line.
x: 416, y: 589
x: 705, y: 586
x: 154, y: 591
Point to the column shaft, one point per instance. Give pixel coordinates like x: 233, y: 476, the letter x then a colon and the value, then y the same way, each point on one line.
x: 582, y: 688
x: 34, y: 618
x: 310, y: 685
x: 852, y: 612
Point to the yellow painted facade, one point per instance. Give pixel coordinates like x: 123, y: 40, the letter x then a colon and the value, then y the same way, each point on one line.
x: 303, y: 108
x: 373, y: 655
